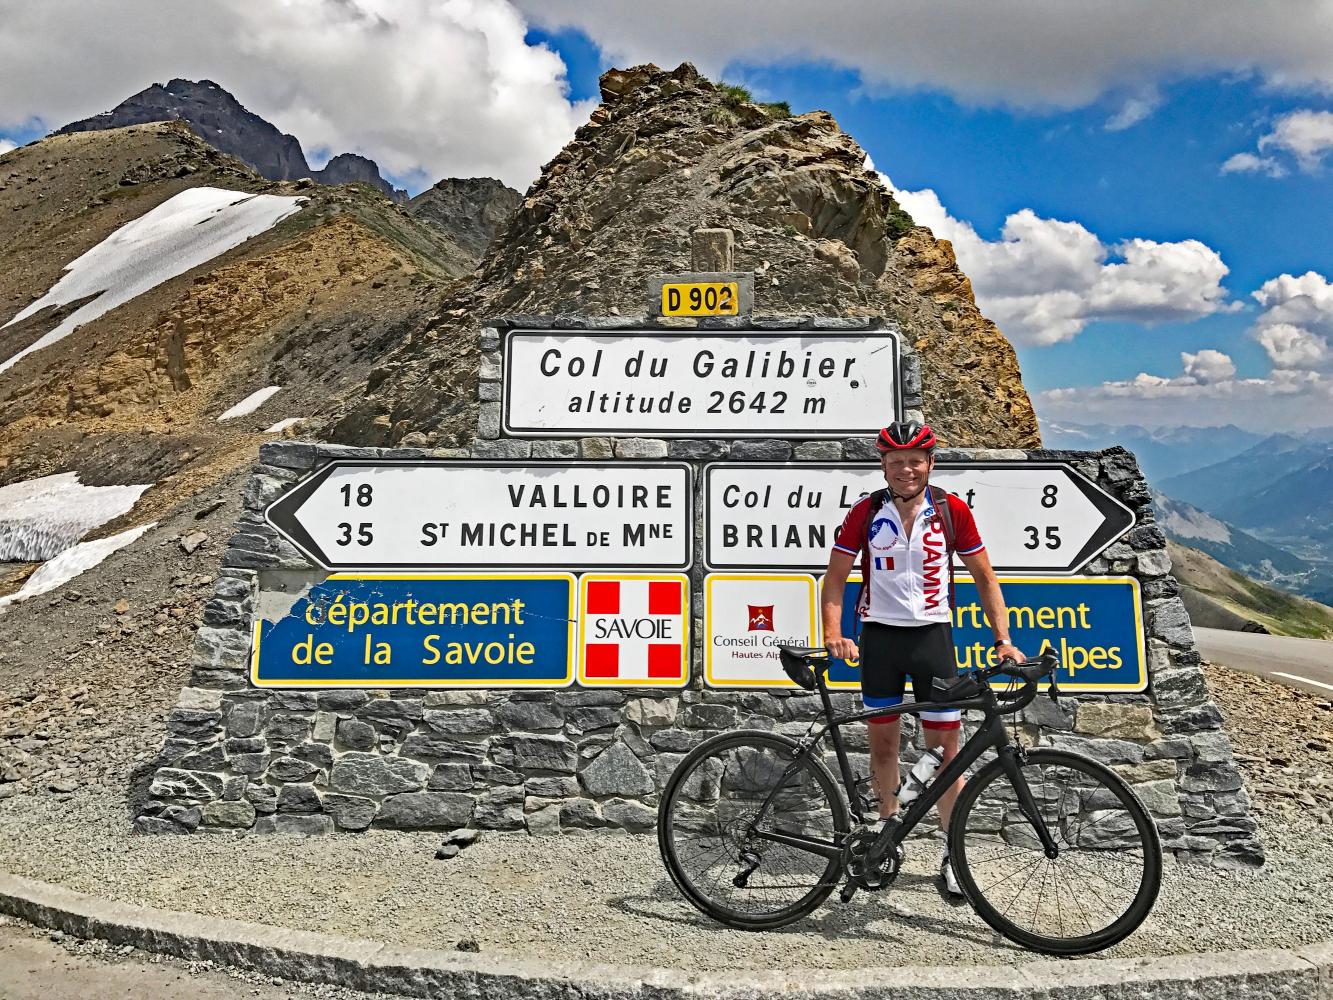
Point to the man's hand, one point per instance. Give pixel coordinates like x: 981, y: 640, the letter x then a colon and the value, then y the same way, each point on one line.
x: 1011, y: 651
x: 843, y: 649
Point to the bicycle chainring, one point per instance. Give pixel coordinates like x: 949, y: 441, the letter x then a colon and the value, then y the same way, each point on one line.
x: 856, y: 862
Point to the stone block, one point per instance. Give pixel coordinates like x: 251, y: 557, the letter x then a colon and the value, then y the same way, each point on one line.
x: 640, y: 448
x: 353, y: 734
x: 495, y: 774
x: 295, y: 701
x: 240, y: 815
x: 712, y: 250
x: 1167, y: 619
x: 546, y: 753
x: 698, y: 451
x: 288, y: 727
x: 490, y: 368
x: 1048, y: 714
x: 818, y: 451
x: 1110, y: 720
x: 1153, y: 562
x: 291, y: 769
x: 384, y: 710
x: 1193, y: 720
x: 488, y: 420
x: 543, y: 822
x: 530, y: 716
x: 450, y: 778
x: 499, y: 809
x: 765, y: 450
x: 1159, y: 796
x: 709, y: 716
x: 341, y: 701
x: 572, y: 697
x: 172, y: 783
x: 860, y: 449
x: 652, y: 712
x: 375, y: 775
x: 210, y: 758
x: 552, y: 787
x: 676, y: 740
x: 1205, y: 776
x: 302, y: 824
x: 199, y: 699
x: 1104, y: 750
x: 503, y: 448
x: 233, y: 787
x: 459, y: 721
x: 454, y: 699
x: 617, y: 771
x: 488, y: 392
x: 556, y: 448
x: 425, y: 811
x: 263, y: 797
x: 249, y: 763
x: 439, y: 749
x: 597, y: 447
x: 350, y: 812
x: 581, y: 814
x: 629, y: 815
x: 298, y: 799
x: 325, y: 726
x: 1149, y: 770
x: 591, y: 718
x: 1212, y: 746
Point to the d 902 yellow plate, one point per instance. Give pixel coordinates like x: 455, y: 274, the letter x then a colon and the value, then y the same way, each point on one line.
x: 701, y: 298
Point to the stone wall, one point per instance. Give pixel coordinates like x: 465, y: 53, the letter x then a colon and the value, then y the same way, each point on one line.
x: 574, y: 760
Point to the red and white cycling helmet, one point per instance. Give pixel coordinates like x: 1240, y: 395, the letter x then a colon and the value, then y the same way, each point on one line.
x: 902, y: 435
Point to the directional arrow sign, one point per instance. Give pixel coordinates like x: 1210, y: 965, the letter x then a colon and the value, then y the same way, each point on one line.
x: 421, y: 514
x: 1035, y: 517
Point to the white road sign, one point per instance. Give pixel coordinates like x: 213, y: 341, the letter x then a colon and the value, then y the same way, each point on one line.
x: 419, y: 514
x: 726, y: 384
x: 1035, y: 517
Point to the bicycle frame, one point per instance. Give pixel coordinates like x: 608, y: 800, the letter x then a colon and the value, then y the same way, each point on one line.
x: 990, y: 735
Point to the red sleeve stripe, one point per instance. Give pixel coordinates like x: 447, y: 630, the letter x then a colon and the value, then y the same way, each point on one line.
x: 969, y: 552
x: 843, y: 548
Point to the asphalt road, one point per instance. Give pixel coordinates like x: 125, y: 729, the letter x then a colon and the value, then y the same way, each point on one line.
x: 1302, y: 663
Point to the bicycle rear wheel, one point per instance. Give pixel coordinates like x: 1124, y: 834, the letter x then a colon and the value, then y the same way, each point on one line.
x: 1105, y: 878
x: 720, y: 805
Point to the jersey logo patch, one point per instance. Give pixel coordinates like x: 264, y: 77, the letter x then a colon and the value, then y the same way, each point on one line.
x: 883, y: 562
x: 883, y: 533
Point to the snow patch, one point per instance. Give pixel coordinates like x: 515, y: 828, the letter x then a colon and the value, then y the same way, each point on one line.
x: 71, y: 563
x: 282, y: 425
x: 40, y: 518
x: 183, y: 232
x: 251, y: 402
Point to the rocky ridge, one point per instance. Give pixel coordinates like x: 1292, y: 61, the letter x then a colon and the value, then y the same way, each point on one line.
x: 668, y: 152
x: 218, y: 118
x: 483, y: 201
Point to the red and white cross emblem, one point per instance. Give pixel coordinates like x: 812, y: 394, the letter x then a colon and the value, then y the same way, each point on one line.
x: 632, y: 630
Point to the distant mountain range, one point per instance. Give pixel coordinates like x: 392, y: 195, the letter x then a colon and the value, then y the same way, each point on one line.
x: 223, y: 122
x: 1262, y: 505
x: 1162, y: 451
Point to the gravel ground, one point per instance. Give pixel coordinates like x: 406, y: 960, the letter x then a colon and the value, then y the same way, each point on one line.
x: 606, y: 897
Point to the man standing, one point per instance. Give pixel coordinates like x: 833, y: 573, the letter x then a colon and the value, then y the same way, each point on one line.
x: 905, y: 607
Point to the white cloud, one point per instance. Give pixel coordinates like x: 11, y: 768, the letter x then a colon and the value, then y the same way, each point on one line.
x: 1134, y: 110
x: 1286, y: 398
x: 1248, y: 163
x: 6, y: 145
x: 1297, y: 321
x: 1304, y: 136
x: 1029, y: 53
x: 1045, y: 280
x: 1207, y: 366
x: 428, y: 88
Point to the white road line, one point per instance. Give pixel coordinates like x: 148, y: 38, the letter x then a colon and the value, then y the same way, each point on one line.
x: 1303, y: 680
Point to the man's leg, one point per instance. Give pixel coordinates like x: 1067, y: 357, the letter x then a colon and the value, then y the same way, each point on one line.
x: 884, y: 744
x: 947, y: 741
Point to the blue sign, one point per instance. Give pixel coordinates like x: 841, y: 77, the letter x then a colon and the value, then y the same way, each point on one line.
x: 454, y: 630
x: 1094, y: 623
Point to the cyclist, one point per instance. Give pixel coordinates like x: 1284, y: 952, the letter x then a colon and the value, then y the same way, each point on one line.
x: 905, y: 605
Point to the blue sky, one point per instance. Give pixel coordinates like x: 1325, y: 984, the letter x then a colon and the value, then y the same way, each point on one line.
x: 1117, y: 180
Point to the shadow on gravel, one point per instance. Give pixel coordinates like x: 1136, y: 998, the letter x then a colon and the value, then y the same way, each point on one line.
x: 832, y: 920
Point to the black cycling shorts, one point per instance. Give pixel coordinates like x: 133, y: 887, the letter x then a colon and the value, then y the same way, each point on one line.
x: 891, y: 655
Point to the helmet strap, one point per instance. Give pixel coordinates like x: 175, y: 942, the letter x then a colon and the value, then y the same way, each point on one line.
x: 907, y: 498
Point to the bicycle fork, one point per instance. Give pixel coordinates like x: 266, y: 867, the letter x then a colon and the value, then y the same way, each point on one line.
x: 1011, y: 759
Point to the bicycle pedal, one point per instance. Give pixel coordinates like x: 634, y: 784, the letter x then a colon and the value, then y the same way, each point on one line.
x: 848, y: 891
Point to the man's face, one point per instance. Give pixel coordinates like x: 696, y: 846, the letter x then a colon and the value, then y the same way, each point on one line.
x: 906, y: 472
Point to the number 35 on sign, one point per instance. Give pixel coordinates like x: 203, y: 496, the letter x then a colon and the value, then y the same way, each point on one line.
x: 701, y: 298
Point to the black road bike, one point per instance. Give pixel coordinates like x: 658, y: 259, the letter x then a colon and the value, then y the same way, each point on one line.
x: 1051, y: 848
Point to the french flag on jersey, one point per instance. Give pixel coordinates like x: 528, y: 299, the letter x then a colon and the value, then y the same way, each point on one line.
x: 883, y: 562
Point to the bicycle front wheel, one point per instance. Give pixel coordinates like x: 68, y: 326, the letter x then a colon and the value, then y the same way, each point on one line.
x: 737, y: 824
x: 1104, y: 878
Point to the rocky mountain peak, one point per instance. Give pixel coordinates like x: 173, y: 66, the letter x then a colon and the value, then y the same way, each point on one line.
x: 217, y: 117
x: 669, y: 152
x: 474, y: 207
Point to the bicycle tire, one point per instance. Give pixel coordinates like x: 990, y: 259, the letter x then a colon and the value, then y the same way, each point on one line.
x: 702, y: 829
x: 1099, y: 825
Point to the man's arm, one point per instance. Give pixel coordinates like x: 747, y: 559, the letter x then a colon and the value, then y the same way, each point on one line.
x: 830, y: 603
x: 992, y: 603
